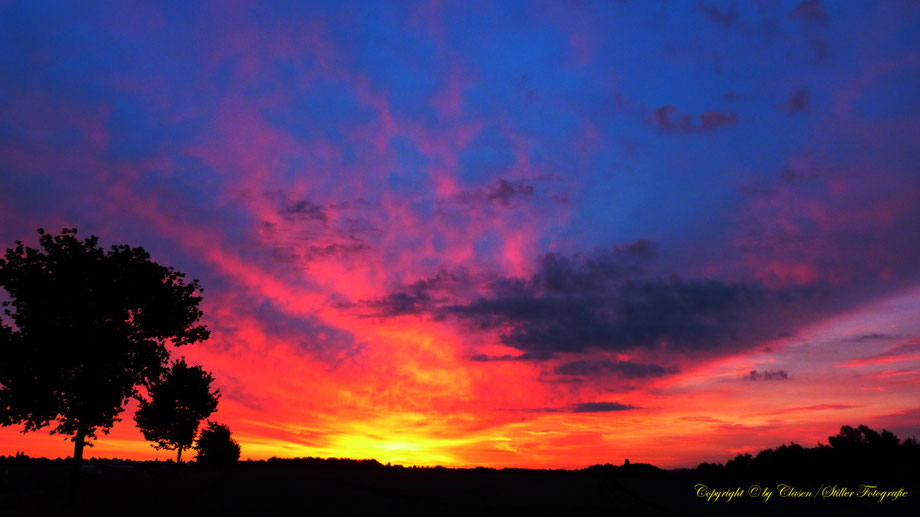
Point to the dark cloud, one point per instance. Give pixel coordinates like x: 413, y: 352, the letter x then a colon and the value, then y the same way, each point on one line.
x: 566, y: 310
x: 606, y: 367
x: 304, y: 210
x: 398, y: 304
x: 606, y: 301
x: 648, y: 313
x: 502, y: 193
x: 561, y: 274
x: 769, y: 186
x: 306, y: 334
x: 584, y: 407
x: 231, y: 388
x: 761, y: 21
x: 303, y: 255
x: 359, y: 229
x: 642, y: 248
x: 484, y: 358
x: 561, y: 198
x: 723, y: 17
x: 712, y: 120
x: 314, y: 252
x: 809, y: 10
x: 422, y: 296
x: 666, y: 119
x: 557, y: 273
x: 311, y: 252
x: 797, y: 102
x: 601, y: 407
x: 311, y: 231
x: 872, y: 336
x: 766, y: 375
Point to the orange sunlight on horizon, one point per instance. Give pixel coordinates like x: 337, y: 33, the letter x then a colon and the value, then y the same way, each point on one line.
x: 430, y: 406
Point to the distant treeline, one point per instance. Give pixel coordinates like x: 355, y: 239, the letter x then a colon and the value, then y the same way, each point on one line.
x: 858, y: 452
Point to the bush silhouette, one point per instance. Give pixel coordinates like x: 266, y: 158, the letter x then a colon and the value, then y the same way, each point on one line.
x: 216, y: 447
x: 179, y: 400
x: 91, y: 325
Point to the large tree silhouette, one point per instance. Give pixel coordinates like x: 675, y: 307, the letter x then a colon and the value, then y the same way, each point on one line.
x: 89, y: 326
x: 179, y: 400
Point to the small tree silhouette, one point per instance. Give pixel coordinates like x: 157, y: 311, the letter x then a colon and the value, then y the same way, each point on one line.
x: 215, y: 446
x: 179, y: 400
x: 91, y: 325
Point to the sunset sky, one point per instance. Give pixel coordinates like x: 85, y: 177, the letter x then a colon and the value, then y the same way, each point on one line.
x: 535, y: 234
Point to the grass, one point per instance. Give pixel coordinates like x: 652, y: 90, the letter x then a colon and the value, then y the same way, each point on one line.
x: 323, y: 490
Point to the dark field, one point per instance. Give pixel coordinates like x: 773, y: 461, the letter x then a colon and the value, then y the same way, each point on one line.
x: 304, y: 490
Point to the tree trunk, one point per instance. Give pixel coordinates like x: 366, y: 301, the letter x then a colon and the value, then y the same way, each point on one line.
x: 78, y: 442
x: 178, y: 462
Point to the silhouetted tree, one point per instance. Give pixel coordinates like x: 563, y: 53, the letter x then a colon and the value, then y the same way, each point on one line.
x: 853, y: 451
x: 863, y: 437
x: 90, y: 325
x: 215, y: 446
x: 179, y: 400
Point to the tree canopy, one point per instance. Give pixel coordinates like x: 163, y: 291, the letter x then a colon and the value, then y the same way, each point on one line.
x: 179, y: 400
x: 216, y: 446
x: 857, y: 450
x: 89, y: 325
